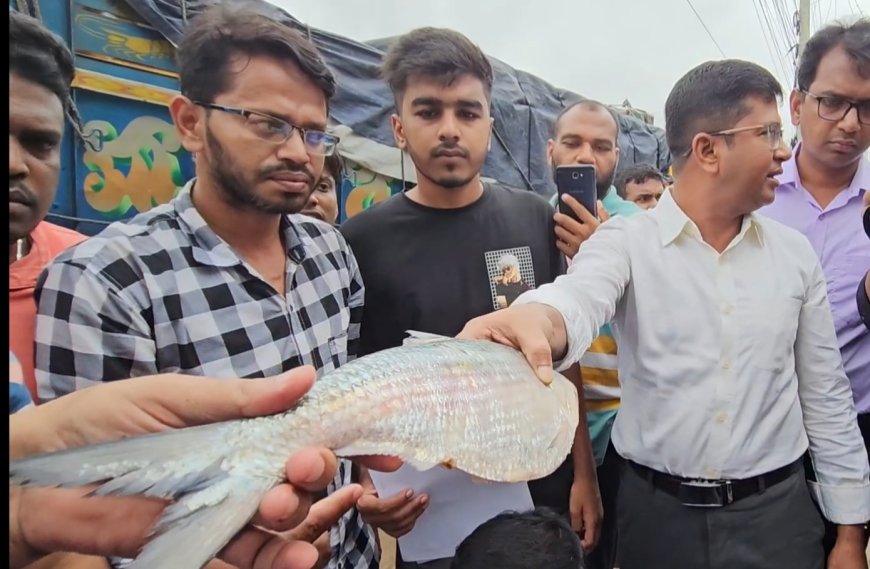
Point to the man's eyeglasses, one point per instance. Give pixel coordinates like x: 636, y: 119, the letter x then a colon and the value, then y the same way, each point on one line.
x: 278, y: 131
x: 835, y: 109
x: 772, y: 132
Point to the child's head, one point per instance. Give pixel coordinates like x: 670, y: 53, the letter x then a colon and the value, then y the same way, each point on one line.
x: 538, y: 539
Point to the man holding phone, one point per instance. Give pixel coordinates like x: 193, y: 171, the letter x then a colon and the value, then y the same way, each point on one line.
x: 584, y: 144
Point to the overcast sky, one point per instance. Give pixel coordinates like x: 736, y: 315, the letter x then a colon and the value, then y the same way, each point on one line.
x: 609, y: 50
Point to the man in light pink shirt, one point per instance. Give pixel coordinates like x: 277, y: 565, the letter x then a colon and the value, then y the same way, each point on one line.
x: 823, y: 185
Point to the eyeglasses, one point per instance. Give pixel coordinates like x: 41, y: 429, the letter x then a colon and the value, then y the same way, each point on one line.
x: 835, y: 109
x: 772, y: 131
x: 278, y: 131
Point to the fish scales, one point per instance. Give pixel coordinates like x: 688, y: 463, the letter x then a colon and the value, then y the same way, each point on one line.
x: 467, y: 404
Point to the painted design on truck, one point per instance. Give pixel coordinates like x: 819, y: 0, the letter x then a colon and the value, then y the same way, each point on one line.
x: 138, y: 168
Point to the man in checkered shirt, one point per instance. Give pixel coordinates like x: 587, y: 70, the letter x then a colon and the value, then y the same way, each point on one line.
x: 226, y: 280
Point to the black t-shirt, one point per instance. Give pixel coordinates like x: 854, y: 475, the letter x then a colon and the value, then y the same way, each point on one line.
x: 433, y: 270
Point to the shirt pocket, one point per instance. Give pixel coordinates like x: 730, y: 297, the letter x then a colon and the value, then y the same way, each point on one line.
x: 774, y: 333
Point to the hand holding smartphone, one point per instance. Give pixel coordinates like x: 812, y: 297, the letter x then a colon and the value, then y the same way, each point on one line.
x: 578, y: 181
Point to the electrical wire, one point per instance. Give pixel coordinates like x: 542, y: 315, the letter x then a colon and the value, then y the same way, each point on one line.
x: 709, y: 33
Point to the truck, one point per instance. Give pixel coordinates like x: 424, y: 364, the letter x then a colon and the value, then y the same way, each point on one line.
x: 128, y: 158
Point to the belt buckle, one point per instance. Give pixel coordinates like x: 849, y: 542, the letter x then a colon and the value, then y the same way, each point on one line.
x: 706, y: 493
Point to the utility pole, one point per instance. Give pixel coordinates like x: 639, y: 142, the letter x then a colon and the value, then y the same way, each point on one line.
x: 805, y: 28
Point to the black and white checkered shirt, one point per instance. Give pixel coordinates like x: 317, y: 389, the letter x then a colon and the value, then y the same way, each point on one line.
x: 163, y: 293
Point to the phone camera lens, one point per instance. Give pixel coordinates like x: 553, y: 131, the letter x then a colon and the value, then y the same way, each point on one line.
x: 575, y: 175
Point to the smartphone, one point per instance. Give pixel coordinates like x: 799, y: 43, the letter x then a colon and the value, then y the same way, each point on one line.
x: 578, y: 181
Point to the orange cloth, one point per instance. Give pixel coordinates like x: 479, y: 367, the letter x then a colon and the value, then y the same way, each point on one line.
x: 47, y: 241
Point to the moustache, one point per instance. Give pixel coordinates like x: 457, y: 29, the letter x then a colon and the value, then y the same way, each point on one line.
x: 449, y: 149
x: 271, y: 171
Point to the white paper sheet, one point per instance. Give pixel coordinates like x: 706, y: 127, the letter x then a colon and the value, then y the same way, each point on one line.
x: 457, y: 505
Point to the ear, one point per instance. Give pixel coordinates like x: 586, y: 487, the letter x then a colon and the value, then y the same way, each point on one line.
x: 551, y: 145
x: 795, y: 103
x: 489, y: 141
x: 706, y: 152
x: 189, y: 121
x: 616, y: 165
x: 398, y: 131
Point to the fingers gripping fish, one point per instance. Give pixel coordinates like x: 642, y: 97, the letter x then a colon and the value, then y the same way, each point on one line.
x: 473, y: 405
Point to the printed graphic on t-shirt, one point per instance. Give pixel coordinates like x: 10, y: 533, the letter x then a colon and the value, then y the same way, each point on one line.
x: 511, y: 273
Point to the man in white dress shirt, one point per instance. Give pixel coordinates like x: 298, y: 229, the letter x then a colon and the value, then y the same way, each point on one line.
x: 728, y: 357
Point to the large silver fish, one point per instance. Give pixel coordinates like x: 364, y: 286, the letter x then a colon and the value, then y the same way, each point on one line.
x: 467, y: 404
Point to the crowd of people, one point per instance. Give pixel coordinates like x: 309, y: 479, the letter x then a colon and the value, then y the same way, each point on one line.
x: 715, y: 324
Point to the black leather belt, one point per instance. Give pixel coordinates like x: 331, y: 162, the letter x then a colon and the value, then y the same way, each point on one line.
x: 701, y: 493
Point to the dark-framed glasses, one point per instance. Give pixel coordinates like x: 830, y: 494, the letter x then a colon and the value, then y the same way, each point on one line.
x: 278, y: 131
x: 834, y: 109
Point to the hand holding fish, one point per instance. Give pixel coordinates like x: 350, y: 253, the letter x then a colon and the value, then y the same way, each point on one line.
x: 473, y: 405
x: 537, y: 330
x: 47, y: 519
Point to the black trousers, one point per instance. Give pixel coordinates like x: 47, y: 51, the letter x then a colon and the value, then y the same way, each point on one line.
x: 604, y: 555
x: 779, y: 528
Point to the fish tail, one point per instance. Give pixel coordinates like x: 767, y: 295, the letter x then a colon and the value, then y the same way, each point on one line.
x: 193, y: 530
x: 163, y: 464
x: 212, y: 502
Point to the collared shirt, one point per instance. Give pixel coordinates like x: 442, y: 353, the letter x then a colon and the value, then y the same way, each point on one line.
x: 837, y: 235
x: 46, y: 242
x: 728, y: 362
x: 598, y: 367
x: 164, y: 293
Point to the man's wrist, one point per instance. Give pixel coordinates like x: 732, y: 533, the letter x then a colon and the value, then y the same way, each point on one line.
x: 851, y: 535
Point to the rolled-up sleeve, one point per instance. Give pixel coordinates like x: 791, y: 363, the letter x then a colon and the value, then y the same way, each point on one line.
x: 842, y: 486
x: 586, y: 297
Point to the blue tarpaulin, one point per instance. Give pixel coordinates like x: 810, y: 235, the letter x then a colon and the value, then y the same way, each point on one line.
x: 523, y: 105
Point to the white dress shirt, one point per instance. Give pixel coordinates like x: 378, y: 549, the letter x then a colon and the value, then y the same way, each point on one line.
x: 728, y: 362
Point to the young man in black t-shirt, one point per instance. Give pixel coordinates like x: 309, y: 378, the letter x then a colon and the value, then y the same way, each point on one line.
x: 453, y: 247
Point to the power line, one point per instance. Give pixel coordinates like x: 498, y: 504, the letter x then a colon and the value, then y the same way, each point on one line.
x: 709, y: 33
x: 781, y: 41
x: 778, y: 67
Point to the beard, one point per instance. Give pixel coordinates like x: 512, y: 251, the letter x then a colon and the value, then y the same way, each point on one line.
x: 241, y: 192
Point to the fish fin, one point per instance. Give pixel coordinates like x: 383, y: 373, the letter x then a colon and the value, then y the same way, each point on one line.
x: 193, y: 530
x: 415, y: 338
x: 136, y: 465
x: 362, y: 448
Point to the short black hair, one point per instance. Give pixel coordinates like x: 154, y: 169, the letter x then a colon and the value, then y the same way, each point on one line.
x: 334, y: 166
x: 712, y: 97
x: 538, y: 539
x: 40, y: 56
x: 434, y: 53
x: 589, y: 105
x: 853, y: 38
x: 637, y: 174
x: 222, y: 32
